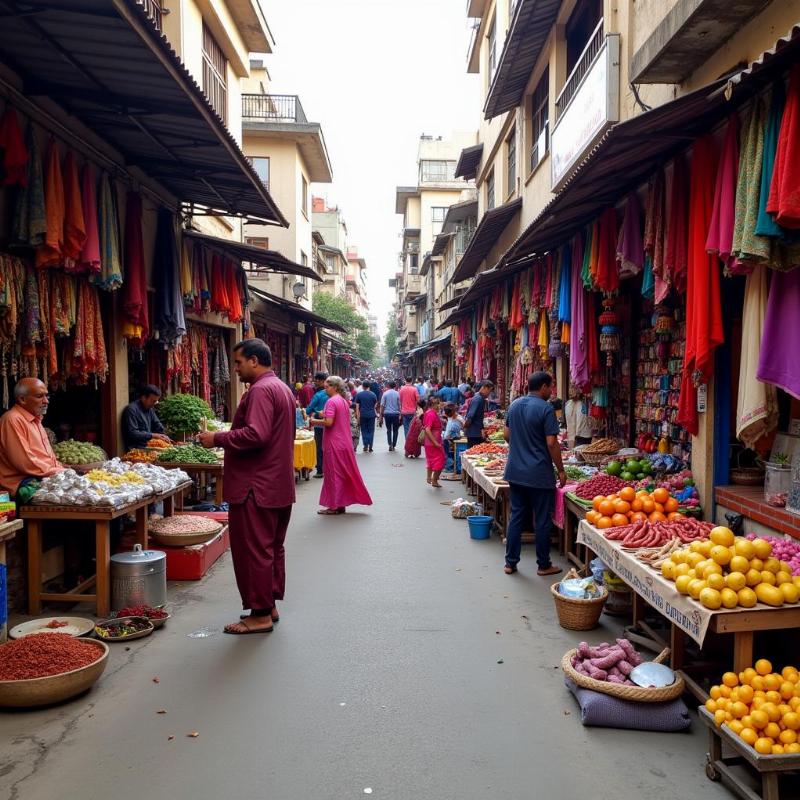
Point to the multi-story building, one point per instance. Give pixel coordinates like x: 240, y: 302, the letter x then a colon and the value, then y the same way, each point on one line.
x: 289, y: 154
x: 329, y: 224
x: 372, y: 323
x: 356, y: 288
x: 424, y: 207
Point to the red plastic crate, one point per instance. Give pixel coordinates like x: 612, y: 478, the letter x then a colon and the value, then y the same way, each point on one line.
x: 193, y: 562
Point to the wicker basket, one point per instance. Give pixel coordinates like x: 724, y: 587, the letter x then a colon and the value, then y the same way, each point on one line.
x: 638, y: 694
x: 595, y: 459
x: 575, y: 614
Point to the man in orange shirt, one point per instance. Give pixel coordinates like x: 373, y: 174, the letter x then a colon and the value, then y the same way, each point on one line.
x: 25, y: 450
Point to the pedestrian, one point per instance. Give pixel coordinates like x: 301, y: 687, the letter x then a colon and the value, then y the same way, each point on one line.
x: 342, y: 485
x: 434, y: 449
x: 390, y: 414
x: 576, y: 415
x: 375, y: 388
x: 420, y: 387
x: 314, y: 410
x: 259, y: 485
x: 355, y: 427
x: 306, y: 392
x: 413, y: 446
x: 409, y: 398
x: 366, y: 404
x: 531, y: 431
x: 299, y: 416
x: 452, y: 431
x: 473, y: 421
x: 463, y: 387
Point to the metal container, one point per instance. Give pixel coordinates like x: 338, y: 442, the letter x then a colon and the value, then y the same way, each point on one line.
x: 138, y: 578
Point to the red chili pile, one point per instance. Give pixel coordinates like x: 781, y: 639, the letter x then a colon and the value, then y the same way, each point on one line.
x: 45, y: 654
x: 143, y: 611
x: 600, y: 484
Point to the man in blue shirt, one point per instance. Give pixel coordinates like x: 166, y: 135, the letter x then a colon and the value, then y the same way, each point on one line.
x: 531, y: 430
x: 420, y: 387
x: 473, y: 422
x: 450, y: 394
x: 390, y: 413
x: 315, y: 410
x: 366, y: 411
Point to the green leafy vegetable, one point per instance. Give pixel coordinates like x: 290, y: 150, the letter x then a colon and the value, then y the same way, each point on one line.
x: 182, y: 414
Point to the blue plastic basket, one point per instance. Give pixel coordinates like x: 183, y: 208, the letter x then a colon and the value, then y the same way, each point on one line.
x: 480, y: 527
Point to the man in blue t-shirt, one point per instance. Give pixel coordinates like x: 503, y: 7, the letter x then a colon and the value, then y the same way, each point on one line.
x: 366, y: 404
x: 390, y: 414
x: 532, y: 433
x: 473, y: 421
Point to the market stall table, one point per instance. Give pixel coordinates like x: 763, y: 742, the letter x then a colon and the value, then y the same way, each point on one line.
x: 200, y: 472
x: 35, y: 515
x: 492, y: 491
x: 8, y: 530
x: 687, y: 617
x: 305, y: 457
x: 574, y: 512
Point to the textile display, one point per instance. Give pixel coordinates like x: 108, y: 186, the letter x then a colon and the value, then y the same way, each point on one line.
x: 784, y: 193
x: 778, y: 362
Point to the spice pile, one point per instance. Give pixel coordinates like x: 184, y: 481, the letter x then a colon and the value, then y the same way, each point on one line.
x: 143, y: 611
x: 486, y: 448
x: 158, y: 444
x: 599, y: 485
x: 185, y: 524
x: 48, y: 654
x: 601, y: 447
x: 122, y: 629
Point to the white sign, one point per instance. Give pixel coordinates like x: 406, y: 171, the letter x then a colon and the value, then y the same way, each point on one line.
x: 593, y: 106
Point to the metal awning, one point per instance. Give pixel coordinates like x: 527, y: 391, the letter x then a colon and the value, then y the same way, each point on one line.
x: 489, y: 229
x: 450, y: 303
x: 429, y: 345
x: 459, y: 212
x: 105, y: 63
x: 779, y: 57
x: 440, y: 243
x: 257, y: 257
x: 457, y: 315
x: 296, y: 311
x: 467, y: 164
x: 525, y: 41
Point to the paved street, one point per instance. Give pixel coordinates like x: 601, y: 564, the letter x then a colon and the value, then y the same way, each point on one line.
x: 383, y: 674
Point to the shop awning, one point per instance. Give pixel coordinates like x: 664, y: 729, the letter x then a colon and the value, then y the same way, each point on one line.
x: 296, y: 311
x: 779, y: 57
x: 459, y: 212
x: 467, y: 164
x: 457, y: 315
x: 430, y: 345
x: 525, y: 40
x: 489, y: 229
x: 440, y: 243
x: 106, y: 64
x: 258, y: 258
x: 450, y: 303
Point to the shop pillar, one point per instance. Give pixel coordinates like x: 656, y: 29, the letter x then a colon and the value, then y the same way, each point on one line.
x: 703, y: 451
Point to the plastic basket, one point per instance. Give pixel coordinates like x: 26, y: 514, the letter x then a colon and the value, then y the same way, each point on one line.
x: 480, y: 527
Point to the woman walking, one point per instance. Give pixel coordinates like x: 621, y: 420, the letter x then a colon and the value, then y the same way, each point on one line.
x: 342, y: 485
x: 413, y: 446
x: 434, y: 449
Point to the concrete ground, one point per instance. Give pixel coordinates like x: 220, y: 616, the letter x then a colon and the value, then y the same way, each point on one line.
x: 383, y: 678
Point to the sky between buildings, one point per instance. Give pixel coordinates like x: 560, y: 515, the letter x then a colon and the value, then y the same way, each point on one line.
x: 376, y: 74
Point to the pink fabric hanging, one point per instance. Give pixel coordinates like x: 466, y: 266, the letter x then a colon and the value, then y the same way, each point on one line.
x: 630, y: 249
x: 720, y: 232
x: 90, y: 254
x: 676, y: 255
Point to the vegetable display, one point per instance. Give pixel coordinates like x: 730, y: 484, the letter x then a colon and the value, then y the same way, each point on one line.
x: 182, y: 414
x: 123, y: 629
x: 760, y: 706
x: 143, y: 611
x: 727, y: 571
x: 158, y: 444
x: 599, y: 485
x: 632, y: 469
x: 629, y: 506
x: 787, y: 550
x: 46, y: 654
x: 607, y: 662
x: 187, y: 454
x: 486, y: 448
x: 644, y: 533
x: 136, y: 456
x: 74, y: 452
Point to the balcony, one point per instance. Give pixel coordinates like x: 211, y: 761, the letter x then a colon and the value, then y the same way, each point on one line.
x: 281, y: 108
x: 153, y: 10
x: 413, y: 285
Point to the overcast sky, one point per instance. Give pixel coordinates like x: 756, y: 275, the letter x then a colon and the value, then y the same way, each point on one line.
x: 376, y: 74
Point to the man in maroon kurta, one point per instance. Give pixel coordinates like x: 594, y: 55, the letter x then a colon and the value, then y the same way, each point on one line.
x: 259, y: 484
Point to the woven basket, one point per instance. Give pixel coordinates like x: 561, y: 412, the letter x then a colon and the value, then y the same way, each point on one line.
x: 638, y: 694
x: 595, y: 459
x: 575, y: 614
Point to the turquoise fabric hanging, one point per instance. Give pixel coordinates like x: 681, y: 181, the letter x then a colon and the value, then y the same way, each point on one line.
x: 765, y: 224
x: 648, y: 279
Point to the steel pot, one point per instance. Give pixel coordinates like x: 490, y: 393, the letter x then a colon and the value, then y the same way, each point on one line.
x: 138, y: 578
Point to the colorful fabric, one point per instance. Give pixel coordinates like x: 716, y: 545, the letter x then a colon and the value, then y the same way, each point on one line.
x: 655, y: 238
x: 134, y: 290
x: 784, y: 193
x: 50, y: 254
x: 170, y: 320
x: 74, y: 225
x: 90, y: 254
x: 720, y: 233
x: 110, y: 275
x: 778, y: 362
x: 29, y: 227
x: 565, y: 281
x: 15, y: 154
x: 766, y: 225
x: 607, y: 278
x: 675, y: 254
x: 630, y: 248
x: 578, y: 345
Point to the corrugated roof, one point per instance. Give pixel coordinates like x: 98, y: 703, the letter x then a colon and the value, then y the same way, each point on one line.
x: 105, y: 63
x: 492, y: 224
x: 296, y: 310
x: 524, y: 43
x: 459, y: 212
x: 467, y: 164
x: 259, y: 258
x: 779, y: 57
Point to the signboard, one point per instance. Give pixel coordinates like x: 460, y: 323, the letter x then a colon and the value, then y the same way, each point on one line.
x: 592, y: 108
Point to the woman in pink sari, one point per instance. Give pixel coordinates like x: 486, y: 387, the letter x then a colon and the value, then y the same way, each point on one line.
x: 434, y: 449
x: 342, y: 485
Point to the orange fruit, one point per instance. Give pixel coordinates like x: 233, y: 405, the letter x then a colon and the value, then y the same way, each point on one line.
x: 792, y: 721
x: 716, y: 581
x: 772, y: 683
x: 721, y: 555
x: 787, y: 672
x: 747, y: 599
x: 660, y: 495
x: 772, y: 730
x: 736, y: 726
x: 648, y: 506
x: 596, y: 500
x: 739, y: 710
x: 746, y: 694
x: 628, y: 494
x: 758, y: 682
x: 619, y: 519
x: 592, y: 517
x: 725, y: 691
x: 735, y: 581
x: 753, y: 578
x: 786, y: 690
x: 759, y: 719
x: 763, y: 746
x: 722, y: 535
x: 771, y: 710
x: 749, y: 736
x: 657, y: 516
x: 777, y: 750
x: 604, y: 522
x: 787, y: 736
x: 636, y: 504
x: 739, y: 564
x: 714, y: 693
x: 671, y: 505
x: 636, y: 516
x: 762, y: 547
x: 673, y: 516
x: 606, y: 508
x: 747, y: 676
x: 621, y: 507
x: 744, y: 547
x: 793, y: 748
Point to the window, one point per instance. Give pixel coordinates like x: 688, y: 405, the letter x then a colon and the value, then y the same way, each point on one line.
x: 511, y: 161
x: 437, y: 171
x: 261, y: 166
x: 539, y: 120
x: 413, y: 263
x: 491, y: 38
x: 257, y: 241
x: 303, y: 259
x: 579, y: 28
x: 215, y: 71
x: 438, y: 214
x: 490, y: 191
x: 305, y: 196
x: 330, y: 263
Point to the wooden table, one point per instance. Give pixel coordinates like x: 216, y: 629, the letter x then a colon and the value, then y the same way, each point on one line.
x: 35, y: 515
x: 198, y: 471
x: 573, y: 514
x: 495, y: 497
x: 8, y: 530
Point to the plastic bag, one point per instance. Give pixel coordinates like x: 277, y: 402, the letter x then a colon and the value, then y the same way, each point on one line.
x: 579, y: 588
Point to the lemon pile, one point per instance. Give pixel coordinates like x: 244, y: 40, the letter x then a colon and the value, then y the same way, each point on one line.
x: 726, y: 571
x: 761, y: 707
x: 113, y: 479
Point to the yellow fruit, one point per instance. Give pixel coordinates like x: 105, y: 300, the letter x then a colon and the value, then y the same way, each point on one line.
x: 736, y: 726
x: 792, y: 748
x: 783, y: 577
x: 692, y: 574
x: 721, y: 555
x: 771, y: 595
x: 695, y: 547
x: 683, y: 568
x: 759, y: 719
x: 771, y: 710
x: 749, y: 736
x: 772, y: 731
x: 784, y: 708
x: 787, y: 672
x: 786, y: 567
x: 777, y: 750
x: 696, y: 586
x: 716, y: 581
x: 730, y: 679
x: 711, y: 598
x: 757, y: 564
x: 746, y: 694
x: 667, y: 570
x: 739, y: 710
x: 772, y: 565
x: 693, y: 559
x: 794, y: 703
x: 772, y: 696
x: 791, y: 594
x: 711, y: 706
x: 787, y: 736
x: 747, y: 599
x: 753, y: 578
x: 758, y: 681
x: 679, y: 556
x: 711, y: 568
x: 763, y: 666
x: 749, y: 674
x: 796, y: 581
x: 763, y: 746
x: 719, y: 716
x: 762, y: 547
x: 735, y: 581
x: 739, y: 564
x: 767, y: 577
x: 725, y: 691
x: 792, y: 721
x: 723, y: 536
x: 746, y: 721
x: 729, y: 598
x: 744, y: 548
x: 682, y: 582
x: 714, y: 693
x: 786, y: 690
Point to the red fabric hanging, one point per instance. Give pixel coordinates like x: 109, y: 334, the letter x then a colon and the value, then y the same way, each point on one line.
x: 74, y: 225
x: 234, y: 296
x: 134, y: 289
x: 607, y: 270
x: 90, y: 255
x: 219, y: 294
x: 515, y: 314
x: 15, y: 154
x: 704, y: 331
x: 784, y: 192
x: 675, y: 256
x: 592, y: 332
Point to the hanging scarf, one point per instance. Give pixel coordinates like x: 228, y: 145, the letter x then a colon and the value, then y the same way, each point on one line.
x: 74, y: 225
x: 784, y: 192
x: 90, y: 254
x: 778, y: 362
x: 655, y: 235
x: 88, y: 346
x: 50, y: 254
x: 720, y: 232
x: 187, y: 289
x: 578, y: 353
x: 134, y: 290
x: 593, y: 362
x: 110, y: 275
x: 170, y: 321
x: 630, y: 249
x: 675, y: 255
x: 30, y: 222
x: 15, y: 154
x: 565, y: 283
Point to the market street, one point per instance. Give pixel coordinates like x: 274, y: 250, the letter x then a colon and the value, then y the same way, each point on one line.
x: 383, y: 674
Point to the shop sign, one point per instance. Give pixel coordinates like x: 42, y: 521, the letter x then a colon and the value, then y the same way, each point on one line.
x: 593, y: 107
x: 702, y: 398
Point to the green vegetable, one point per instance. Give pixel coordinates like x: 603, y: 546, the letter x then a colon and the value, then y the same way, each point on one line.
x: 183, y: 413
x: 73, y: 452
x: 187, y: 454
x: 614, y: 468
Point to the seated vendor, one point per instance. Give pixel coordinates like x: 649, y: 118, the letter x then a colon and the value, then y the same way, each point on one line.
x: 25, y: 451
x: 139, y: 421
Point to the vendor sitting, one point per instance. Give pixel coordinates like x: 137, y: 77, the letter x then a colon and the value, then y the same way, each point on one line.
x: 26, y: 454
x: 139, y: 421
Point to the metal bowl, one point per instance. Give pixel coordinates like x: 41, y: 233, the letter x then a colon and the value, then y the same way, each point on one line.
x: 53, y: 688
x: 85, y: 626
x: 131, y: 636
